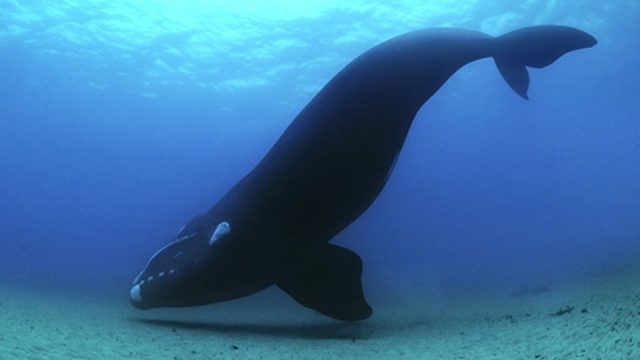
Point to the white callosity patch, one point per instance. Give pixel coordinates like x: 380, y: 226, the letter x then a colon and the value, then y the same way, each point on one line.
x: 182, y: 228
x: 221, y: 230
x: 134, y: 294
x: 184, y: 237
x: 137, y: 279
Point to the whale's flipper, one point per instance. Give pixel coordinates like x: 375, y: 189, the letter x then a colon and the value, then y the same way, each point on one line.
x: 326, y: 278
x: 535, y: 46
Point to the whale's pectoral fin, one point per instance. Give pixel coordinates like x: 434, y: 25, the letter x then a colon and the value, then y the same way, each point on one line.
x: 537, y: 47
x: 326, y: 278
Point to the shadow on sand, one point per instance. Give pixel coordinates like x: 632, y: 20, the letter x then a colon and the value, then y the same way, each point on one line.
x: 345, y: 331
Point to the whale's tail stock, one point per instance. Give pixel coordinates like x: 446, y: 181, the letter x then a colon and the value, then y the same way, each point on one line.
x: 535, y: 46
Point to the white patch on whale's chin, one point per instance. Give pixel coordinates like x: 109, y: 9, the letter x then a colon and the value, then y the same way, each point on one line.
x: 134, y: 294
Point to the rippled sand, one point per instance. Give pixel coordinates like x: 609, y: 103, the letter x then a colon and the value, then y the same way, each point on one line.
x: 604, y: 323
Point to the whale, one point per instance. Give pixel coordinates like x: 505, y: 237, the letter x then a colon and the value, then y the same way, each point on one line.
x: 275, y: 225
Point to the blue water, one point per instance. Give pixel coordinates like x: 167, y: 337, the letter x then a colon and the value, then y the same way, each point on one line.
x: 121, y: 120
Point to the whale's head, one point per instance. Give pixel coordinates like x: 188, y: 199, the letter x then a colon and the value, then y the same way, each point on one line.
x: 200, y: 266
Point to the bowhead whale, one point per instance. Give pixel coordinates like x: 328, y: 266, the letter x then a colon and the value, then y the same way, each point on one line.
x: 275, y: 225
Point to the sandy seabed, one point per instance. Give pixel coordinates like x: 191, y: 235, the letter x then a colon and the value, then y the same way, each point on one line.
x: 604, y: 323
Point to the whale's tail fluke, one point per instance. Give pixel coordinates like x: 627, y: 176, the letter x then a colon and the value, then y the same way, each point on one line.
x: 535, y: 46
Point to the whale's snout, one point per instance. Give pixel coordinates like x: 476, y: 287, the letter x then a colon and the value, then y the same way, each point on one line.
x: 135, y: 297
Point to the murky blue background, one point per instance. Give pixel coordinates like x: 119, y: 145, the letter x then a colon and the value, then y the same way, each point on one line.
x: 121, y: 120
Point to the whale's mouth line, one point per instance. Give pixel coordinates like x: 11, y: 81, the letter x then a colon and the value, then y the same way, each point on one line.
x: 144, y: 269
x: 173, y: 261
x: 135, y: 293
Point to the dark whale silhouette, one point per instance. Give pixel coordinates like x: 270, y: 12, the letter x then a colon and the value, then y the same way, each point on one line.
x: 327, y: 168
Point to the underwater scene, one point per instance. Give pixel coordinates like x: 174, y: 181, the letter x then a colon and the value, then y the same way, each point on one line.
x: 319, y: 179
